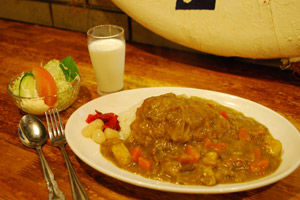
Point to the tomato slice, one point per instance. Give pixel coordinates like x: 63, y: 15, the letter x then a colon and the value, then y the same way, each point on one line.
x: 45, y: 84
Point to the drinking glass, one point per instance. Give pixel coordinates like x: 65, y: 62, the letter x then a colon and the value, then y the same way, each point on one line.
x: 106, y: 44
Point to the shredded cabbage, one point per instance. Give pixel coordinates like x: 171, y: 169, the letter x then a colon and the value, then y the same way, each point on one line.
x: 53, y: 67
x: 61, y: 83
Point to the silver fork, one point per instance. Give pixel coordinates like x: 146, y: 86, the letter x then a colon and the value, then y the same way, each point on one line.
x: 57, y: 136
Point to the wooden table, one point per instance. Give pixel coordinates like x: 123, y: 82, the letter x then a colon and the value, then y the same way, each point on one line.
x: 23, y: 45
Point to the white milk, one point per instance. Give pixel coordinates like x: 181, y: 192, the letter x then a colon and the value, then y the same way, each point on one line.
x: 108, y: 59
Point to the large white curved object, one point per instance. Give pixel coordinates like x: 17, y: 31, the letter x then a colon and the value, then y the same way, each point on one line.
x: 260, y: 29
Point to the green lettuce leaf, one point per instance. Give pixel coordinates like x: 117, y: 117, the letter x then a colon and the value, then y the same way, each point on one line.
x: 69, y: 68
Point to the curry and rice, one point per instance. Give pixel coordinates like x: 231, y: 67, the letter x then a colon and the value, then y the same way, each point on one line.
x: 192, y: 141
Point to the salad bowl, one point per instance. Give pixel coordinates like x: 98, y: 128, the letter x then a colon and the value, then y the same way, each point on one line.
x: 37, y: 105
x: 55, y: 85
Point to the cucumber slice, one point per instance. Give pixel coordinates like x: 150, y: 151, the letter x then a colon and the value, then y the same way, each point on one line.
x: 27, y: 85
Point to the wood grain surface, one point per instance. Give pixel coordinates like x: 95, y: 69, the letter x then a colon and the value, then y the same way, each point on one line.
x: 23, y: 45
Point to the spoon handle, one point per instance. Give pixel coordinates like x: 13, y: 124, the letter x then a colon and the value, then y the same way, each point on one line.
x: 78, y: 191
x: 54, y: 192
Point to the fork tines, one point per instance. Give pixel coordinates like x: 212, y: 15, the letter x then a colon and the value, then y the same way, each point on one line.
x: 57, y: 128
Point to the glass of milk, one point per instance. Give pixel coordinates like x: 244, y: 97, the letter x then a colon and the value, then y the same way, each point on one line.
x: 106, y: 44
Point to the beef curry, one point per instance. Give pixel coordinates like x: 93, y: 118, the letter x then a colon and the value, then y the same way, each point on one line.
x: 194, y: 141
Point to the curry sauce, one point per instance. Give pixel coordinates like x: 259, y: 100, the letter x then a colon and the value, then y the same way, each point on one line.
x: 195, y: 141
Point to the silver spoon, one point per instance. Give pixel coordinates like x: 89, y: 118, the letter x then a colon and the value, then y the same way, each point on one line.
x: 33, y: 134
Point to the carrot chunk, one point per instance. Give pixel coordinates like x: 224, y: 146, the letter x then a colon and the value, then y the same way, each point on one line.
x: 207, y: 143
x: 220, y: 146
x: 135, y: 153
x: 244, y: 135
x: 185, y: 158
x: 224, y: 114
x: 257, y: 153
x: 259, y: 166
x: 144, y: 163
x: 193, y: 151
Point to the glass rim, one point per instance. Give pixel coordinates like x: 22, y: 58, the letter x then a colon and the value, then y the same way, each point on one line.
x: 89, y: 32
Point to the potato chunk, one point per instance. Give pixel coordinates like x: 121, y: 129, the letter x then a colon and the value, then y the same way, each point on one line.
x: 121, y: 154
x: 210, y: 158
x: 208, y: 177
x: 273, y: 146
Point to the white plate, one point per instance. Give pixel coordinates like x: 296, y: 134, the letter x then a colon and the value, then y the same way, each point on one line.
x: 88, y: 151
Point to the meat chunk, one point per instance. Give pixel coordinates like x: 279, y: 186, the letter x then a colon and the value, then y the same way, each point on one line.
x: 178, y: 119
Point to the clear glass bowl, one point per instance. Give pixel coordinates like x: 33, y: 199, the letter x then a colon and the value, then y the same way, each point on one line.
x: 36, y: 105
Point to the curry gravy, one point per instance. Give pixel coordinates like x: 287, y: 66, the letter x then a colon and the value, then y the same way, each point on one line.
x: 195, y: 141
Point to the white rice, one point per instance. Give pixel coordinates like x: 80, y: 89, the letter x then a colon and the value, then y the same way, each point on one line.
x: 126, y: 118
